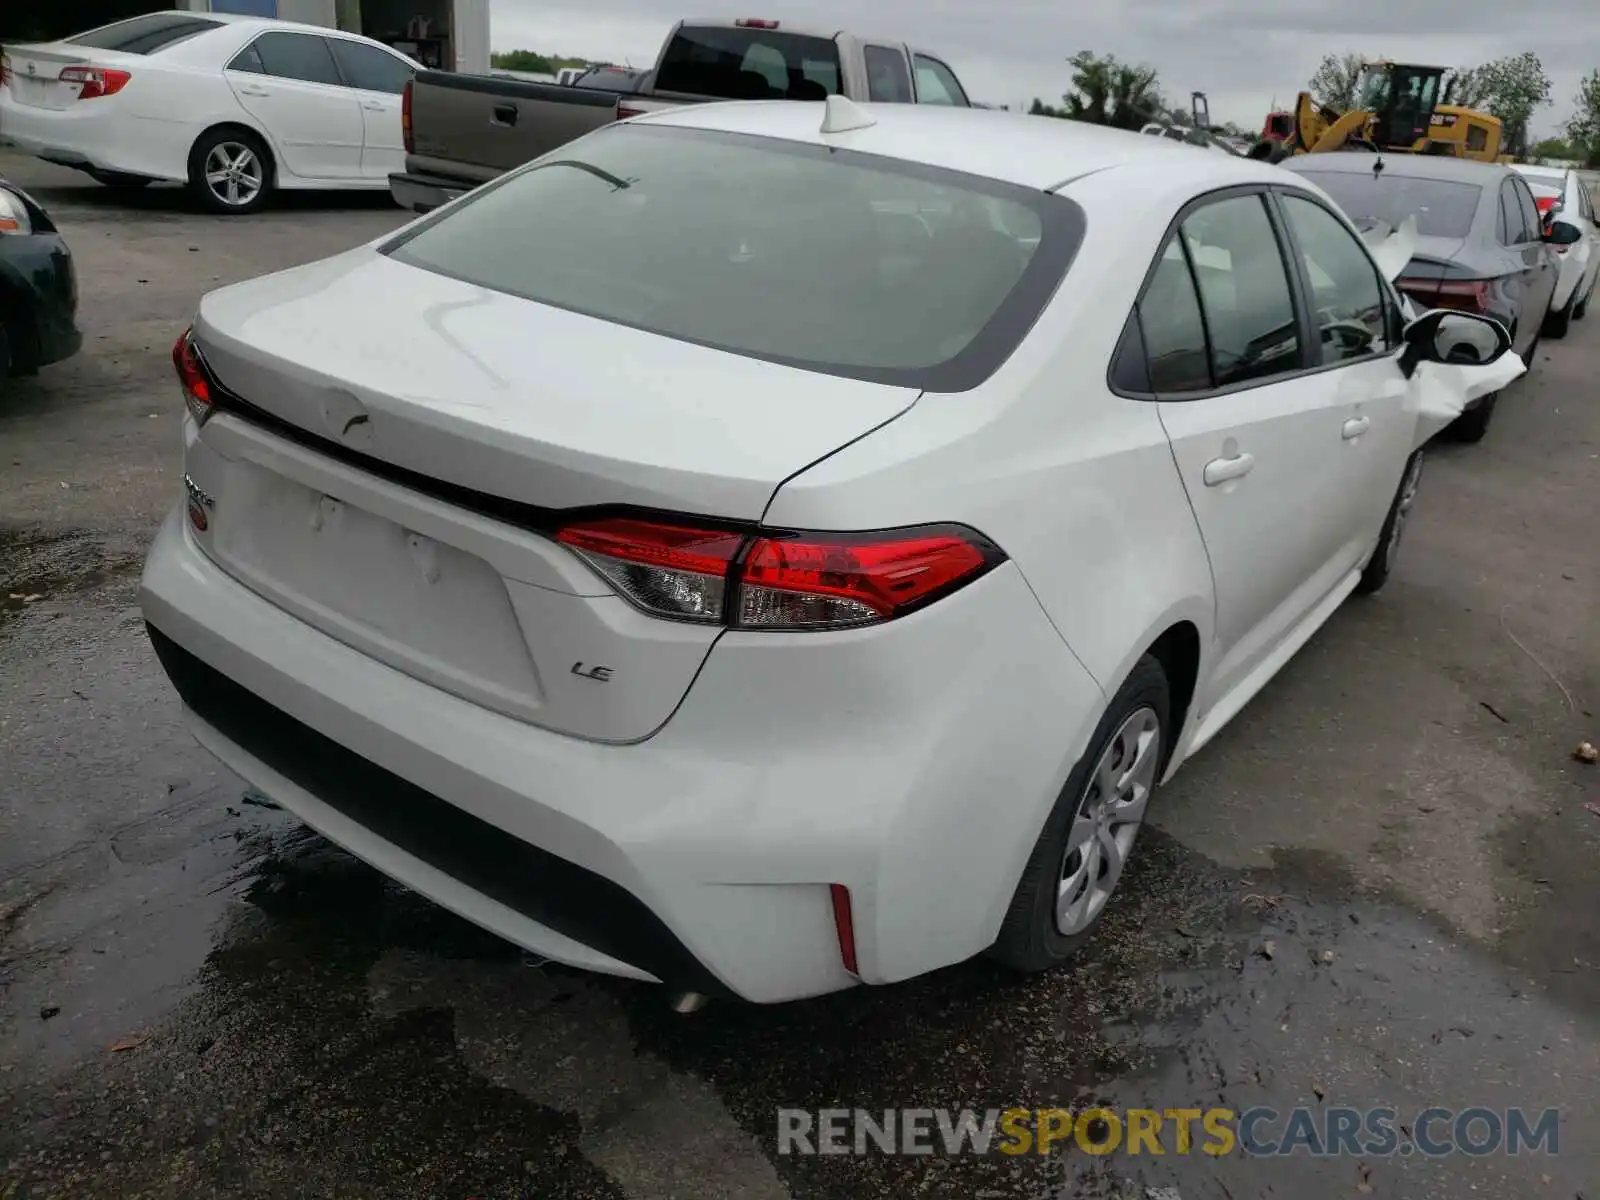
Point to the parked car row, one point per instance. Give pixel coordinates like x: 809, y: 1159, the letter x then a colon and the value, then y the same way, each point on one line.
x: 709, y: 679
x: 1517, y: 244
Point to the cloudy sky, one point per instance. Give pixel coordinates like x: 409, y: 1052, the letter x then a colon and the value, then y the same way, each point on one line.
x: 1241, y: 53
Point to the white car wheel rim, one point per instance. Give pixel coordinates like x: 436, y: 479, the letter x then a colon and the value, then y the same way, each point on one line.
x: 234, y: 173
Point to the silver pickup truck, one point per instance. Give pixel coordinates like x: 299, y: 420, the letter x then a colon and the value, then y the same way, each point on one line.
x: 464, y: 130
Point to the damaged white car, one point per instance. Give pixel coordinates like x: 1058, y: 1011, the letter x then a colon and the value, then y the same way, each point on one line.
x: 771, y: 548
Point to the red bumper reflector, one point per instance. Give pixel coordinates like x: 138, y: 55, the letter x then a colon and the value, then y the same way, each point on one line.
x: 844, y: 923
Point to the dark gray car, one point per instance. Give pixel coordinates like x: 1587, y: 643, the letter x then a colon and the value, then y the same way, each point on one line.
x: 1480, y: 245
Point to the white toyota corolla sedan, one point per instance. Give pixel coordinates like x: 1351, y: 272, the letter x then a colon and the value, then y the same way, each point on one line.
x: 766, y: 548
x: 233, y: 106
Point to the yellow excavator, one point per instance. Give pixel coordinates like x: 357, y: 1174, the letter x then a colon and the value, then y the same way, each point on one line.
x: 1399, y: 112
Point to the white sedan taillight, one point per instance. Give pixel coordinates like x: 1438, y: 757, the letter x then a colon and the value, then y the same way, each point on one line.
x: 95, y: 81
x: 780, y: 580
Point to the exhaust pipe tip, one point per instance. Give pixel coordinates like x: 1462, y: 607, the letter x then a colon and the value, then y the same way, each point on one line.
x: 685, y: 1003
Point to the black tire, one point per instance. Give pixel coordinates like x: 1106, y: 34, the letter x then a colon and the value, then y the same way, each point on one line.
x: 1471, y: 425
x: 119, y: 180
x: 1030, y: 939
x: 5, y: 355
x: 1557, y: 322
x: 231, y: 140
x: 1382, y: 562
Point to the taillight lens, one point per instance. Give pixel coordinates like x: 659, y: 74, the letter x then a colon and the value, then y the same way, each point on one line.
x: 780, y: 580
x: 624, y: 111
x: 844, y: 924
x: 5, y: 69
x: 669, y: 570
x: 192, y: 378
x: 95, y: 81
x: 1471, y: 295
x: 405, y: 118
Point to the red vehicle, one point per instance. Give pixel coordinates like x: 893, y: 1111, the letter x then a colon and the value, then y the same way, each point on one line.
x: 1278, y: 127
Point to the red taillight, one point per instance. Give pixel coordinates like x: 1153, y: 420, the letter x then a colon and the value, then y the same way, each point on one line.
x: 95, y: 81
x: 405, y: 118
x: 779, y: 580
x: 755, y: 23
x: 844, y: 924
x: 5, y: 69
x: 624, y: 111
x: 1546, y: 203
x: 812, y: 580
x: 1463, y: 295
x: 668, y: 570
x: 192, y: 378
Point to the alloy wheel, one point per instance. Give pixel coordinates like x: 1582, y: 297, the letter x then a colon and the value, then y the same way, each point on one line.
x: 1107, y: 821
x: 234, y: 173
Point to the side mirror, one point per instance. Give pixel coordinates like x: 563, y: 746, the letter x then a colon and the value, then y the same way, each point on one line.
x: 1445, y: 336
x: 1559, y: 233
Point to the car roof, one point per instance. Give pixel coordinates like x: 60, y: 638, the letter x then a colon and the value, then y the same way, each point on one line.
x: 1033, y: 151
x: 1411, y: 166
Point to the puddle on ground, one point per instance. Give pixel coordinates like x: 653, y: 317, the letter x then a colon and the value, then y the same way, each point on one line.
x: 346, y: 1036
x: 42, y: 570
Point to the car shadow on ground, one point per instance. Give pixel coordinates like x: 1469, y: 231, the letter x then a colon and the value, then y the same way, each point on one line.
x: 175, y: 199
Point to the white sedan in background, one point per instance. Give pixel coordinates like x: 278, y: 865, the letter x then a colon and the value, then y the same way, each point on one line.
x: 1565, y: 203
x: 764, y: 553
x: 233, y: 106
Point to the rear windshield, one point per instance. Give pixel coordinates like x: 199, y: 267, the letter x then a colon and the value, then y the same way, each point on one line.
x: 1443, y: 208
x: 830, y: 260
x: 749, y: 64
x: 144, y: 35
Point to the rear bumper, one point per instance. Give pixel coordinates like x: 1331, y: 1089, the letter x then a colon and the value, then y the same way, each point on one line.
x: 88, y: 138
x: 702, y: 857
x: 424, y: 193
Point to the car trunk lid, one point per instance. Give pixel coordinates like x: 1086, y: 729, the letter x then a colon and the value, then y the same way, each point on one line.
x: 34, y: 72
x: 394, y: 479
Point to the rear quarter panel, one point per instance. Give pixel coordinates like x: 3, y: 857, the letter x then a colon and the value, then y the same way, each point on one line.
x: 1076, y: 484
x: 167, y: 106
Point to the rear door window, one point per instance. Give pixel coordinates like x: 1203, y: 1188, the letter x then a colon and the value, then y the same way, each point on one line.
x: 888, y: 77
x: 146, y: 34
x: 301, y: 56
x: 370, y: 69
x: 936, y: 83
x: 1530, y: 210
x: 1174, y: 333
x: 749, y: 64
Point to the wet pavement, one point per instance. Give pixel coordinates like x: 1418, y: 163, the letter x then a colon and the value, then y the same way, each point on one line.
x: 1377, y: 888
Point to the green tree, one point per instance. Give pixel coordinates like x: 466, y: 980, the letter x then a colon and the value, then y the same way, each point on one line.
x: 1467, y: 87
x: 1107, y: 91
x: 1516, y: 87
x: 534, y: 62
x: 1337, y: 81
x: 1554, y: 148
x: 1583, y: 127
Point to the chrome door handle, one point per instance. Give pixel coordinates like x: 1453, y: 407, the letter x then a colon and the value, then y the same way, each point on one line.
x: 1355, y: 427
x: 1221, y: 470
x: 376, y: 106
x: 249, y: 91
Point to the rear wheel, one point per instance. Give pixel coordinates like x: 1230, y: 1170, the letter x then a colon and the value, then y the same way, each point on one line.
x: 1087, y: 840
x: 229, y: 171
